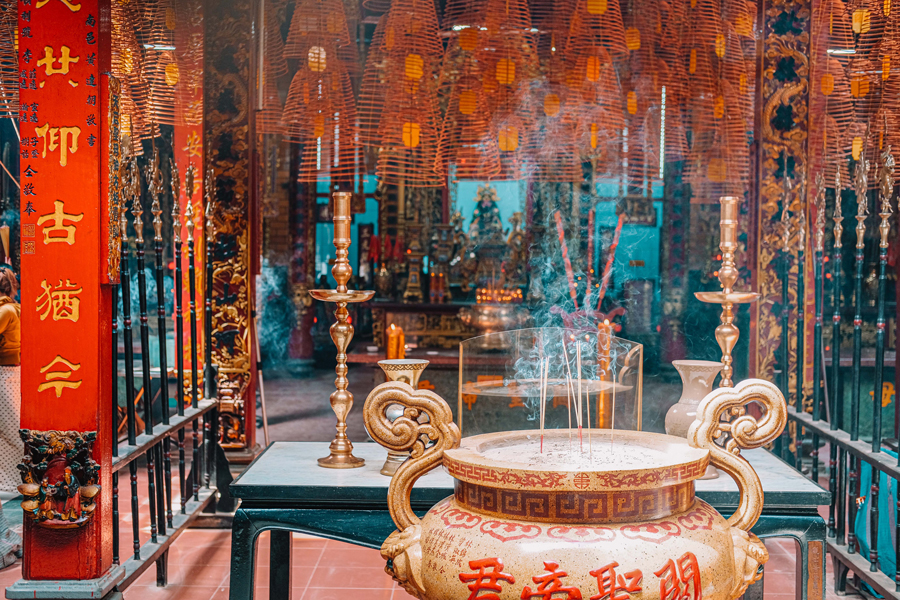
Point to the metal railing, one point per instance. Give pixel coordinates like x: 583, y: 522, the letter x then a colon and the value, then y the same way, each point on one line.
x: 858, y: 525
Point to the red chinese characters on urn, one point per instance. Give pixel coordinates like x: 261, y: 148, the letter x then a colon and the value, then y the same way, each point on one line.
x: 620, y: 521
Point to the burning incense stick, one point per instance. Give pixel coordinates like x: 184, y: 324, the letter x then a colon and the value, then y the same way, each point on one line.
x: 545, y: 372
x: 611, y: 257
x: 587, y: 401
x: 570, y: 275
x: 590, y: 253
x: 578, y: 370
x: 568, y: 390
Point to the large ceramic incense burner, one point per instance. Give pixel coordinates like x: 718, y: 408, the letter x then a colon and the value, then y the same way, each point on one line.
x: 610, y: 518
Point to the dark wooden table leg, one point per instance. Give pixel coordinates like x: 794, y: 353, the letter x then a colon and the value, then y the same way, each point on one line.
x: 243, y: 554
x: 280, y: 546
x: 809, y: 531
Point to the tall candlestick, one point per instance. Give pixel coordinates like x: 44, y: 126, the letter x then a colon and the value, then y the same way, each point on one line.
x: 727, y: 332
x: 341, y: 456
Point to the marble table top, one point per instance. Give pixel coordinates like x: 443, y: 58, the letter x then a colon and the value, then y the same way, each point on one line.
x: 287, y: 474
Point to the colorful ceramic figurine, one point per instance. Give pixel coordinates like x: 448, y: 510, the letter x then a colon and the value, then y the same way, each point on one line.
x: 617, y: 521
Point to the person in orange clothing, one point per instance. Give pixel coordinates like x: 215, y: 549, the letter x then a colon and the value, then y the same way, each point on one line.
x: 11, y: 449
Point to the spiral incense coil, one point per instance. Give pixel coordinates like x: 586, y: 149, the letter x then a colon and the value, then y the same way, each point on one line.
x: 270, y: 118
x: 377, y: 7
x: 320, y: 110
x: 410, y: 121
x: 373, y: 88
x: 276, y: 63
x: 596, y: 22
x: 320, y: 113
x: 126, y: 61
x: 466, y: 139
x: 513, y: 130
x: 552, y: 19
x: 315, y: 22
x: 160, y: 68
x: 9, y: 71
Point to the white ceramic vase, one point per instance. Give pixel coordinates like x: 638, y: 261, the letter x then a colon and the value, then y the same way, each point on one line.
x: 697, y: 378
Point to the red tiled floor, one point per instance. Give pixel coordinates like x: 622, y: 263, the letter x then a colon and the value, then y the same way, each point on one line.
x: 329, y: 570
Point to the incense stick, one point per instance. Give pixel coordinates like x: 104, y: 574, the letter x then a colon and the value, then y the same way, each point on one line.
x: 568, y: 390
x: 545, y: 366
x: 587, y: 402
x: 570, y: 275
x: 607, y: 270
x: 578, y: 370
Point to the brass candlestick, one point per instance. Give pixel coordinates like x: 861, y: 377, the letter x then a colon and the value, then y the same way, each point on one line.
x: 341, y: 456
x: 727, y: 332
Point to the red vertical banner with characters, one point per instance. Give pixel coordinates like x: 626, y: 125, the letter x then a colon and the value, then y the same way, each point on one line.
x: 188, y: 150
x: 66, y: 351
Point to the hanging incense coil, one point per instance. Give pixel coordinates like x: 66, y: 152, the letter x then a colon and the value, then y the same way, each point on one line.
x: 551, y: 19
x: 377, y: 7
x: 556, y: 156
x: 160, y: 68
x: 276, y: 63
x: 596, y: 23
x: 514, y: 133
x: 270, y: 118
x: 126, y: 62
x: 320, y: 24
x: 466, y: 139
x: 315, y: 22
x: 9, y: 72
x: 833, y: 116
x: 409, y: 124
x: 319, y: 113
x: 374, y: 87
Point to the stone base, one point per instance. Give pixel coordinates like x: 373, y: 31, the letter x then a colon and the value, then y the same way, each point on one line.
x: 70, y: 589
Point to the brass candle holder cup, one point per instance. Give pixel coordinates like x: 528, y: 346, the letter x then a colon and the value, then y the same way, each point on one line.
x: 341, y: 456
x: 727, y: 332
x: 407, y: 370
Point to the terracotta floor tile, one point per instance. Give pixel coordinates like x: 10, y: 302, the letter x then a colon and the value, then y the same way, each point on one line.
x: 351, y: 577
x: 351, y: 557
x: 302, y: 556
x: 184, y: 552
x: 347, y: 593
x: 169, y: 593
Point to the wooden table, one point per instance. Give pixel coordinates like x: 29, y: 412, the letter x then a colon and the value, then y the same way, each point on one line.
x: 284, y: 490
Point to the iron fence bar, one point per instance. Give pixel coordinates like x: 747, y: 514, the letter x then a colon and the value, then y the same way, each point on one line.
x: 179, y: 317
x: 155, y: 188
x: 137, y: 209
x: 862, y: 210
x: 874, y: 514
x: 192, y: 291
x: 128, y: 453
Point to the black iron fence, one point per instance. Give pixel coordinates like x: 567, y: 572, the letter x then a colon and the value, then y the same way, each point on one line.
x: 838, y: 442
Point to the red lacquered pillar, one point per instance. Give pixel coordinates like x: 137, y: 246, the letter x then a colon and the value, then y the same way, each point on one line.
x: 70, y: 253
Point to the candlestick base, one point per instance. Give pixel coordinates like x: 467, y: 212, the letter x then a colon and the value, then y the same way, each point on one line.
x: 341, y: 457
